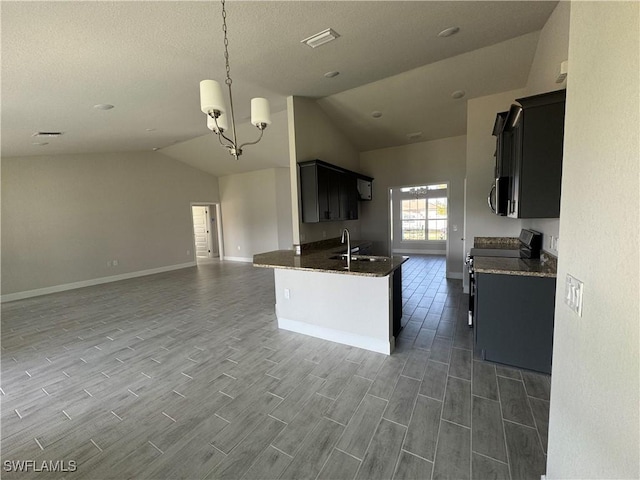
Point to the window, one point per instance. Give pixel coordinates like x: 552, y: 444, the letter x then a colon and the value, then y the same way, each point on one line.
x: 437, y: 218
x: 414, y: 219
x: 424, y: 213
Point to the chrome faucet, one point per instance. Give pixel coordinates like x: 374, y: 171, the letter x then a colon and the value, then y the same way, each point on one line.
x: 346, y: 232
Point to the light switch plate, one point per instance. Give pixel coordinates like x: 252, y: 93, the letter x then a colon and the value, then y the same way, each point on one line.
x: 573, y: 291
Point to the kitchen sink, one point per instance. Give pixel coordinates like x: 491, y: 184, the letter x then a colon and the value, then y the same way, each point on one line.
x: 361, y: 258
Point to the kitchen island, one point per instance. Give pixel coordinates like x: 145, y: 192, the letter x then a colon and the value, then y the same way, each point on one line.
x: 318, y: 296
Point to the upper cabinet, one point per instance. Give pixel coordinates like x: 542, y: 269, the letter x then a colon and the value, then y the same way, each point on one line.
x: 328, y: 192
x: 499, y: 194
x: 529, y: 157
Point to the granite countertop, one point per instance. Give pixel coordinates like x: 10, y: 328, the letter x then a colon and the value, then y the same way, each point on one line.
x: 545, y: 266
x: 539, y: 267
x: 320, y: 261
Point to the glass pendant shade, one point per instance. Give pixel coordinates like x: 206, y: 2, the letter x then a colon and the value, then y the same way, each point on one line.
x: 213, y: 106
x: 211, y: 96
x: 260, y: 113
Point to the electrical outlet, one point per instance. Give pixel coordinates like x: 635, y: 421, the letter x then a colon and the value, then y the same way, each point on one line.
x: 188, y: 252
x: 238, y: 247
x: 573, y: 291
x: 287, y: 293
x: 324, y: 234
x: 114, y: 263
x: 108, y: 263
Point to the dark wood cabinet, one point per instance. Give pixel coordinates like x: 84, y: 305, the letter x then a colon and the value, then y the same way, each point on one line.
x: 534, y: 133
x: 397, y: 301
x: 514, y: 319
x: 328, y: 193
x: 501, y: 190
x: 503, y: 147
x: 348, y: 197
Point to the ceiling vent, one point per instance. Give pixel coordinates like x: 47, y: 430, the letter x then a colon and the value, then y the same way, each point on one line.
x: 47, y: 134
x: 321, y: 38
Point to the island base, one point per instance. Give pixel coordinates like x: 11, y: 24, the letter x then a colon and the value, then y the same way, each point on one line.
x: 349, y: 309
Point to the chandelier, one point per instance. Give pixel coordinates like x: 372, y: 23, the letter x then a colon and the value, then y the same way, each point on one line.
x: 419, y: 192
x: 213, y: 105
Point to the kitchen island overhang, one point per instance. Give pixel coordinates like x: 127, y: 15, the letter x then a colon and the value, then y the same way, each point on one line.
x: 317, y: 296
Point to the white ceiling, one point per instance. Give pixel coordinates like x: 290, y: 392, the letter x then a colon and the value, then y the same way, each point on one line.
x: 147, y: 58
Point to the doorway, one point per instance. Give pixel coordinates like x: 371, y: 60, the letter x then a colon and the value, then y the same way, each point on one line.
x: 419, y: 219
x: 205, y: 232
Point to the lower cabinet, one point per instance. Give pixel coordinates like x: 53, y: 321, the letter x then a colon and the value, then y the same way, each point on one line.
x: 397, y: 301
x: 514, y: 319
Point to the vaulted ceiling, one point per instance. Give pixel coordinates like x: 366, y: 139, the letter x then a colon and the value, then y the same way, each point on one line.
x: 146, y: 58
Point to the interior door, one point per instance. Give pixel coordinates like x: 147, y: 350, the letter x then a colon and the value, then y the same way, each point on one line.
x: 213, y: 231
x: 200, y: 231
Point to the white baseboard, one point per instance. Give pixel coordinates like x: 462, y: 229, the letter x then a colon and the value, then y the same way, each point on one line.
x: 338, y: 336
x: 455, y: 275
x: 419, y: 251
x: 239, y: 259
x: 89, y: 283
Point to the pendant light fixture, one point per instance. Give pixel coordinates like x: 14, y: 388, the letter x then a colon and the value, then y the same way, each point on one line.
x: 213, y: 105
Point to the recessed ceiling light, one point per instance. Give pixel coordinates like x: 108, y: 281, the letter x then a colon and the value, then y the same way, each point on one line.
x: 414, y: 135
x: 447, y: 32
x: 458, y: 94
x: 376, y: 114
x: 320, y: 38
x: 151, y: 129
x: 331, y: 74
x: 40, y: 144
x: 155, y: 149
x: 103, y: 106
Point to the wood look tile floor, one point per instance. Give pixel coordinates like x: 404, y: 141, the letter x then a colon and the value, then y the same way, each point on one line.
x: 185, y: 375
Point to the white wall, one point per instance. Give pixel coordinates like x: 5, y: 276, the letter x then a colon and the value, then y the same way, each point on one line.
x: 313, y: 136
x: 251, y: 220
x: 552, y: 49
x: 481, y: 146
x: 283, y: 208
x: 594, y: 420
x: 419, y: 163
x: 65, y: 216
